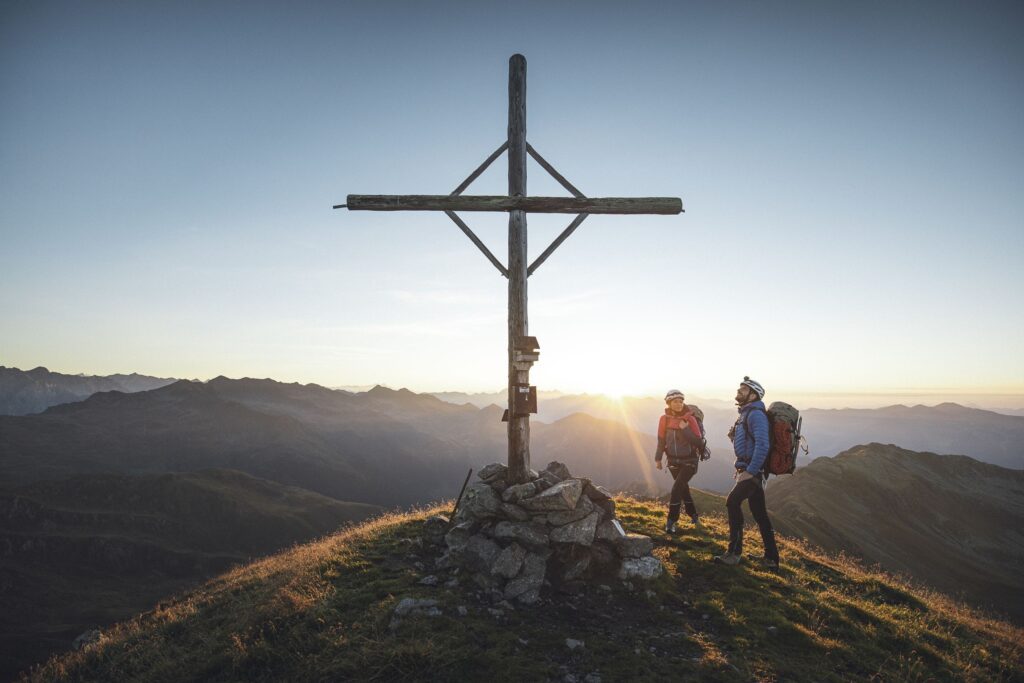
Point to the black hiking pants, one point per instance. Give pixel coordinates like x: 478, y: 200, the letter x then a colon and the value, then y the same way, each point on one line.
x: 752, y: 491
x: 682, y: 474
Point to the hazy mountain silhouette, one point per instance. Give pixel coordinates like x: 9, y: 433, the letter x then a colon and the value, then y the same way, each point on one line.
x: 948, y: 520
x: 996, y: 438
x: 33, y: 391
x: 946, y: 428
x: 344, y: 446
x: 84, y: 552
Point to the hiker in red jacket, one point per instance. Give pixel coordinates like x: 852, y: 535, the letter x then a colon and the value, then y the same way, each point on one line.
x: 681, y: 439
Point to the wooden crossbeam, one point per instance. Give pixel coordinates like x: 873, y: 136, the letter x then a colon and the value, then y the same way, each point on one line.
x: 592, y: 205
x: 477, y: 241
x: 554, y: 245
x: 552, y: 172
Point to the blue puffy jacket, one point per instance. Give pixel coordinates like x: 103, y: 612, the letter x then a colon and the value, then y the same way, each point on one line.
x: 750, y: 440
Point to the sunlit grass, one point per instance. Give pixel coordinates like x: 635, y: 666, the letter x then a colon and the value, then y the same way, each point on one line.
x: 321, y: 611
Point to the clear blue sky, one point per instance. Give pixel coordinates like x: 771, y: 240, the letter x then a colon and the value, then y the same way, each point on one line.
x: 852, y: 173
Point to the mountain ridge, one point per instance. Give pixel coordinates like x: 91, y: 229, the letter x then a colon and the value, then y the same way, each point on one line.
x: 331, y: 610
x: 948, y: 520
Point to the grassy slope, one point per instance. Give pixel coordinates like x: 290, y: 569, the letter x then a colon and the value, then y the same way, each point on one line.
x: 93, y: 550
x: 322, y: 612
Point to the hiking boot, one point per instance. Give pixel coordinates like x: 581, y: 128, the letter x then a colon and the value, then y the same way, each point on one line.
x: 671, y: 525
x: 770, y: 564
x: 728, y: 558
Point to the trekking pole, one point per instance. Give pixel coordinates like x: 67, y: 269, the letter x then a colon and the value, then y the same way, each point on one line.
x: 459, y: 499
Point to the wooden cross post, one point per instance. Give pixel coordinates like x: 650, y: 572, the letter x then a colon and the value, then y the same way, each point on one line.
x: 522, y: 349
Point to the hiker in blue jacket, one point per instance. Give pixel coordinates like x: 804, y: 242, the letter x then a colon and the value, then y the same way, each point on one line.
x: 750, y: 441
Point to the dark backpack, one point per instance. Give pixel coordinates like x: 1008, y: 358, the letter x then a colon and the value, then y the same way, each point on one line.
x: 784, y: 440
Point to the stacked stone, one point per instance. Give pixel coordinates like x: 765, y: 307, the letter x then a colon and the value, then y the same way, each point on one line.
x: 556, y: 529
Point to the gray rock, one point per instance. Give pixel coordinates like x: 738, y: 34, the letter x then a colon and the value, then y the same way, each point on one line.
x: 429, y: 580
x: 592, y: 678
x: 509, y: 561
x: 576, y: 567
x: 434, y: 528
x: 530, y: 578
x: 457, y: 537
x: 532, y: 474
x: 583, y: 508
x: 542, y: 483
x: 558, y: 469
x: 609, y: 531
x: 514, y: 494
x: 414, y: 606
x: 86, y: 639
x: 550, y: 478
x: 602, y: 555
x: 530, y: 597
x: 480, y: 501
x: 514, y: 512
x: 495, y: 470
x: 634, y: 545
x: 596, y: 493
x: 601, y: 497
x: 523, y: 532
x: 499, y: 485
x: 481, y: 553
x: 645, y: 568
x: 580, y: 533
x: 462, y: 610
x: 486, y: 581
x: 562, y: 496
x: 574, y: 644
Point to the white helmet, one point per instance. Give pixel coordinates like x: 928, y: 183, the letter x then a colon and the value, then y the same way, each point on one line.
x: 674, y: 394
x: 758, y: 389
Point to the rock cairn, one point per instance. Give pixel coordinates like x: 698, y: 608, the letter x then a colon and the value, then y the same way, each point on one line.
x: 555, y: 530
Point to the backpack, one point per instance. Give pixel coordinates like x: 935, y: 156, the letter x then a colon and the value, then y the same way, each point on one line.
x: 698, y: 414
x: 784, y: 440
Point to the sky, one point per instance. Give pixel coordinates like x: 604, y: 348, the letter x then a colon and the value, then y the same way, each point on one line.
x: 852, y: 176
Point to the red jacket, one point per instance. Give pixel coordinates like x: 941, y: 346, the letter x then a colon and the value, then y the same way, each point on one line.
x: 677, y: 444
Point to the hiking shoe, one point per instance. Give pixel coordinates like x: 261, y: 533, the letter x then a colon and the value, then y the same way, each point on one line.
x: 770, y: 564
x: 671, y: 527
x: 729, y: 559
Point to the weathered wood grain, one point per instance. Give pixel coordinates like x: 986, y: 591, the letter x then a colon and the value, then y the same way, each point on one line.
x: 518, y: 325
x: 443, y: 202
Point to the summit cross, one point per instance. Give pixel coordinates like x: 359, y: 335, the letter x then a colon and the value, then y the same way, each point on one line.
x: 522, y: 349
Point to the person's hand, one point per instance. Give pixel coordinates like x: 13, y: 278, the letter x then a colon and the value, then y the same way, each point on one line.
x: 744, y: 475
x: 658, y: 464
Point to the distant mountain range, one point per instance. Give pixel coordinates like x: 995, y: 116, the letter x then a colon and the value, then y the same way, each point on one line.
x: 947, y: 520
x: 946, y: 428
x: 33, y: 391
x: 988, y: 436
x: 118, y: 484
x: 92, y: 549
